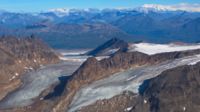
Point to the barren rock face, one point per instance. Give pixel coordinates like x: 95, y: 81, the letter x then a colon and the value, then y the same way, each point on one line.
x: 19, y: 56
x: 109, y: 48
x: 119, y: 103
x: 175, y: 90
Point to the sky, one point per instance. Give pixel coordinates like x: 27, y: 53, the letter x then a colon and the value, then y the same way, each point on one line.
x: 43, y: 5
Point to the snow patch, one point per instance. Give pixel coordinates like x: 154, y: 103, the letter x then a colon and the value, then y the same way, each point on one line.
x: 128, y: 109
x: 20, y: 61
x: 112, y: 51
x: 151, y: 49
x: 131, y: 78
x: 13, y: 77
x: 101, y: 57
x: 35, y: 61
x: 72, y: 52
x: 184, y: 108
x: 41, y: 98
x: 28, y: 68
x: 16, y: 74
x: 145, y: 101
x: 74, y: 58
x: 195, y: 62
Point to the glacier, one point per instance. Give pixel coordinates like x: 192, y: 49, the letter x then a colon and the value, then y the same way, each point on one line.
x: 35, y: 82
x: 128, y: 80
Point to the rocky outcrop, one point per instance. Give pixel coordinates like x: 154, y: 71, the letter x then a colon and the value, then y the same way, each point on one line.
x: 108, y: 48
x: 175, y: 90
x: 119, y: 103
x: 20, y: 55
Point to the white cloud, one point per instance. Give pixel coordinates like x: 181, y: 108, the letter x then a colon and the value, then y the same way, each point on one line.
x: 181, y: 6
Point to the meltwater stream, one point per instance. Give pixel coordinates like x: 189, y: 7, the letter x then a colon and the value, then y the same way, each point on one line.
x: 129, y: 80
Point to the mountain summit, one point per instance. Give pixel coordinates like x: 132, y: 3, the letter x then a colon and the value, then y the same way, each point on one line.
x: 178, y: 7
x: 110, y: 47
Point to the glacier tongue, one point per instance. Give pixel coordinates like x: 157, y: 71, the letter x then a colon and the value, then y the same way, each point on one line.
x: 128, y: 80
x: 37, y: 81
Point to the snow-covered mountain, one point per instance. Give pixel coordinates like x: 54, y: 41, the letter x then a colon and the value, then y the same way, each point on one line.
x: 60, y: 11
x: 178, y: 7
x: 151, y: 22
x: 144, y: 8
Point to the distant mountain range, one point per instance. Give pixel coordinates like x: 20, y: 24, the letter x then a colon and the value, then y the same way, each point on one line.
x: 87, y: 28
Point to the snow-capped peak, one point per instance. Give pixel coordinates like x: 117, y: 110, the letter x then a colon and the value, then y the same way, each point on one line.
x: 65, y: 11
x: 155, y: 7
x: 176, y: 7
x: 60, y: 11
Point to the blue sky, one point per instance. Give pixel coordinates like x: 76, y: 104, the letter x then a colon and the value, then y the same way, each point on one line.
x: 41, y: 5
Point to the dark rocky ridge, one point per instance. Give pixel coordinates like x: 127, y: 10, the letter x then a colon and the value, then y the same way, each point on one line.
x: 104, y: 49
x: 120, y: 61
x: 26, y: 48
x: 175, y: 90
x: 19, y: 56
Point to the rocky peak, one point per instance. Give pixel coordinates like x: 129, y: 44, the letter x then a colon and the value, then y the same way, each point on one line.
x: 110, y: 47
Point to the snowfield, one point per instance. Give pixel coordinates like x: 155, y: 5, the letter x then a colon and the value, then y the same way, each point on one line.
x: 128, y: 80
x: 74, y: 58
x: 80, y: 58
x: 151, y: 49
x: 73, y: 55
x: 73, y: 52
x: 77, y: 55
